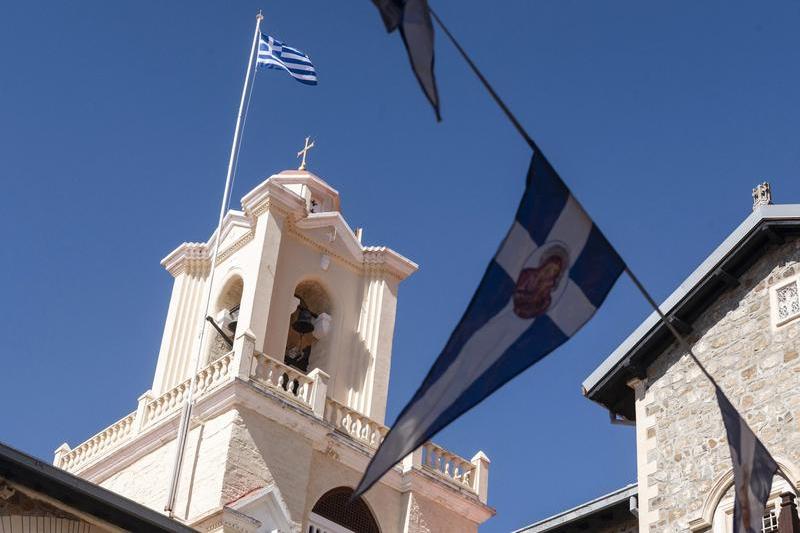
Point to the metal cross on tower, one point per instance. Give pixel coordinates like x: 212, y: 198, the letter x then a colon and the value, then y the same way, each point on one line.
x: 303, y: 153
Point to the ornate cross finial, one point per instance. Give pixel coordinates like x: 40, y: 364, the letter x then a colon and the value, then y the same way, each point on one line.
x: 303, y: 153
x: 762, y: 195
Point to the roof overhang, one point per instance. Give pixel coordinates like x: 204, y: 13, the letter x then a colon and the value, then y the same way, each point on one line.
x: 767, y: 225
x: 579, y: 517
x: 79, y: 494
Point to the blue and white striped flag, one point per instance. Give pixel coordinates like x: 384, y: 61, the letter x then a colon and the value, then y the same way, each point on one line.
x: 551, y: 273
x: 274, y: 54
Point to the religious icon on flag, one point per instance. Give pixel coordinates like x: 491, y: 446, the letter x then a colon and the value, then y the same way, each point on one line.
x: 551, y: 273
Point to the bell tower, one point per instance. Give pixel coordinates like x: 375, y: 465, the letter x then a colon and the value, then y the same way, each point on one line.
x: 290, y: 395
x: 293, y: 276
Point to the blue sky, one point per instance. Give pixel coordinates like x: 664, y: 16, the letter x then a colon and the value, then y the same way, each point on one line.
x: 115, y: 125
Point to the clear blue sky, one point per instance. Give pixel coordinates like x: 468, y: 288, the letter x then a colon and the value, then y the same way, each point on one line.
x: 115, y: 125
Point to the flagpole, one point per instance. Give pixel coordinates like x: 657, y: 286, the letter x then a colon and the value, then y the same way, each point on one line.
x: 183, y: 428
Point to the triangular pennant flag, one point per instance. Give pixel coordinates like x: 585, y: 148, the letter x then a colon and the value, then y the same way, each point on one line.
x: 551, y: 273
x: 416, y: 27
x: 753, y: 469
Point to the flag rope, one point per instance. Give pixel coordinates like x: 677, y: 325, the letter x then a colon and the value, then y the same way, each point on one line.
x: 528, y: 139
x: 487, y: 85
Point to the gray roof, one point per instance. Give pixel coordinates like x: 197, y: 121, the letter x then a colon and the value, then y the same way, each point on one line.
x: 82, y: 495
x: 618, y: 498
x: 766, y: 225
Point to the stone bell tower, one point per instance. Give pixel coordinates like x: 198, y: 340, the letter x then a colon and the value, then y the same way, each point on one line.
x: 290, y: 397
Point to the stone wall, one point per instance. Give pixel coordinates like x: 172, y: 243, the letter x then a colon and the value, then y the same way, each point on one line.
x: 757, y: 365
x: 147, y: 479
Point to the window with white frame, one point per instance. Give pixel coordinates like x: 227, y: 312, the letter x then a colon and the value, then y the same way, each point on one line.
x: 788, y: 301
x: 769, y: 523
x: 785, y: 299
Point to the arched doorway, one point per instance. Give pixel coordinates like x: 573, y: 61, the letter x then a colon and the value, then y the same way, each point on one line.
x: 335, y: 513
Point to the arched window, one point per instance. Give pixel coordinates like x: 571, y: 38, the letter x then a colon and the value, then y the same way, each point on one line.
x: 723, y: 516
x: 225, y: 316
x: 307, y: 341
x: 335, y: 513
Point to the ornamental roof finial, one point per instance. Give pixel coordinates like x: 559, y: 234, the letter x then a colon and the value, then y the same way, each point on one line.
x: 762, y: 195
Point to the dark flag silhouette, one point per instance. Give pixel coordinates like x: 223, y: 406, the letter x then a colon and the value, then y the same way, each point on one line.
x: 413, y: 19
x: 753, y: 469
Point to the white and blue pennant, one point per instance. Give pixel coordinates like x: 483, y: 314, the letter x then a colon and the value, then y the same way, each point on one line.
x: 274, y: 54
x: 551, y: 273
x: 753, y: 469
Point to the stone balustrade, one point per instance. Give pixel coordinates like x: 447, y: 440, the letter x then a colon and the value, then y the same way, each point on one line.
x: 308, y: 391
x: 358, y: 426
x: 149, y: 412
x: 448, y: 465
x: 113, y: 435
x: 172, y: 400
x: 283, y: 379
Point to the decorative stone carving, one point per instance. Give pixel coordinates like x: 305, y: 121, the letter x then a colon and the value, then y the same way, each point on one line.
x: 762, y: 195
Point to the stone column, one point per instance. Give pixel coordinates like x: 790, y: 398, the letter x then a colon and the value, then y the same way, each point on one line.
x: 60, y: 452
x: 261, y: 269
x: 376, y: 330
x: 788, y: 521
x: 412, y: 460
x: 481, y: 473
x: 138, y: 421
x: 319, y: 391
x: 243, y: 348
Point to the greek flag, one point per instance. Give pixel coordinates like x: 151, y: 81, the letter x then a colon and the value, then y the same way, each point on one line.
x: 274, y: 54
x: 753, y: 469
x: 551, y: 273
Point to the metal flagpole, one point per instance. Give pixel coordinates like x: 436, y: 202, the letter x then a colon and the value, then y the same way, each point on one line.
x: 183, y: 428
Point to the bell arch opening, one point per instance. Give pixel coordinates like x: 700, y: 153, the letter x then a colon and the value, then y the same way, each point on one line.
x: 308, y: 340
x: 334, y: 508
x: 223, y: 318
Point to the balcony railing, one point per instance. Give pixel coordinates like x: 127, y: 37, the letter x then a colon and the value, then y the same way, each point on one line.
x: 150, y: 411
x: 353, y: 423
x: 283, y: 379
x: 307, y: 391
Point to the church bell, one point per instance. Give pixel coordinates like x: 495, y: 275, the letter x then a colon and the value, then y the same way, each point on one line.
x: 234, y: 313
x: 304, y: 323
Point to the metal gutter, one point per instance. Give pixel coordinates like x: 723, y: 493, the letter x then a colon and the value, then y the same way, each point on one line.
x: 582, y: 511
x: 701, y: 275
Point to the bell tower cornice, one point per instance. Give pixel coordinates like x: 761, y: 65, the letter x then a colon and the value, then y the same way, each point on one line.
x: 293, y: 195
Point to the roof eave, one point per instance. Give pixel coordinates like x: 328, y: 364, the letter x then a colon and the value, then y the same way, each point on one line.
x: 729, y: 258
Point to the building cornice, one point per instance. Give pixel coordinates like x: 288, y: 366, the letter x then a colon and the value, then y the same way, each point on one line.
x: 767, y: 225
x: 236, y: 394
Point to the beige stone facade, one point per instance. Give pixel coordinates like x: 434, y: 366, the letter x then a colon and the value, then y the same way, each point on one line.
x: 272, y: 438
x: 756, y: 364
x: 740, y: 313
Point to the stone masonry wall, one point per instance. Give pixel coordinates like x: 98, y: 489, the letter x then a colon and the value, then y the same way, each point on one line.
x: 759, y: 369
x: 147, y: 480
